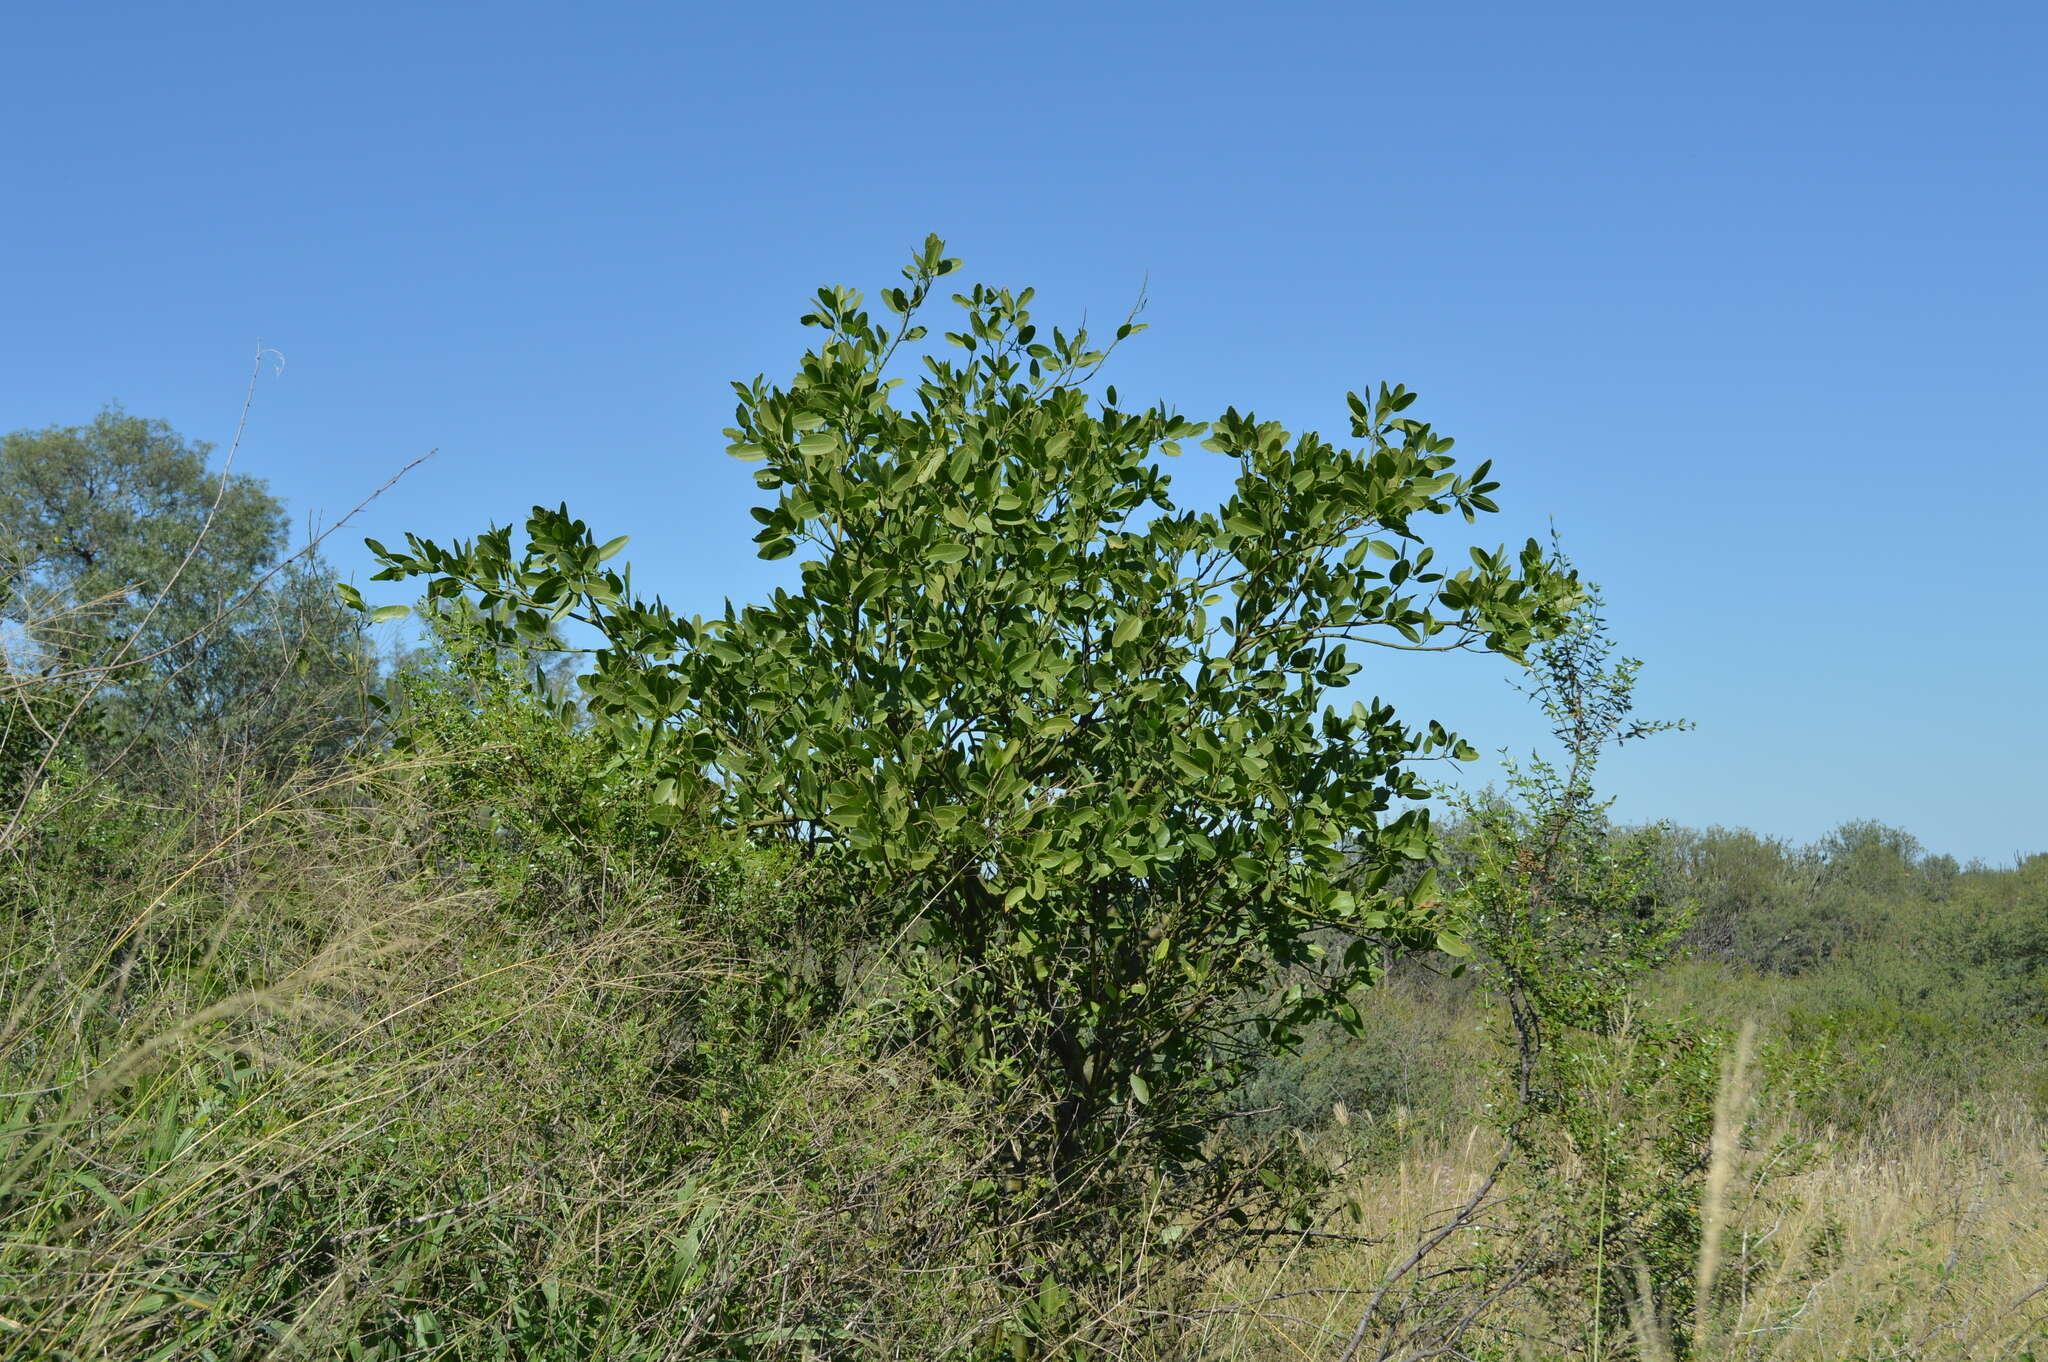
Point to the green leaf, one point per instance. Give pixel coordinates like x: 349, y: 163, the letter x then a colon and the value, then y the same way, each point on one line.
x: 1141, y: 1090
x: 385, y: 613
x: 946, y: 552
x: 98, y: 1189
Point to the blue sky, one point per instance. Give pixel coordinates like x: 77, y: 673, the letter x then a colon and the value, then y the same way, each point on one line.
x: 1747, y: 300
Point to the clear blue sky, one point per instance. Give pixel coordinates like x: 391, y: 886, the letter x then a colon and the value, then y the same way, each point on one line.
x: 1748, y: 299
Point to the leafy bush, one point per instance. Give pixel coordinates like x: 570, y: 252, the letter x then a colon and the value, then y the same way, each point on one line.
x: 1069, y: 745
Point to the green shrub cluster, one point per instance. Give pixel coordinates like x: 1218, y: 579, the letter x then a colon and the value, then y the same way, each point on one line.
x: 1913, y: 984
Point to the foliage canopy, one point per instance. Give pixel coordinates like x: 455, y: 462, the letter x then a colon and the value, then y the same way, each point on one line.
x: 128, y: 567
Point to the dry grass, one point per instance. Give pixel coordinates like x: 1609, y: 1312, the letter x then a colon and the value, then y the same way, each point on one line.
x: 268, y: 1081
x: 1827, y: 1250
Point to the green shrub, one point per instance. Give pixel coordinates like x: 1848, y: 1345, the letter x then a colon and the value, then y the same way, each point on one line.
x: 1066, y: 747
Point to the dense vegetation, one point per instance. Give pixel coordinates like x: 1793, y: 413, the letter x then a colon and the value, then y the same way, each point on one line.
x: 1005, y: 945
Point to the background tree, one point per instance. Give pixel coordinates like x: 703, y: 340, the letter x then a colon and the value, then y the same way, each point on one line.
x: 127, y: 563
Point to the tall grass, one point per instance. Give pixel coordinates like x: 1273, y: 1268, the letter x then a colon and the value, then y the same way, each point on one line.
x: 296, y: 1069
x: 275, y: 1083
x: 293, y: 1067
x: 1818, y: 1247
